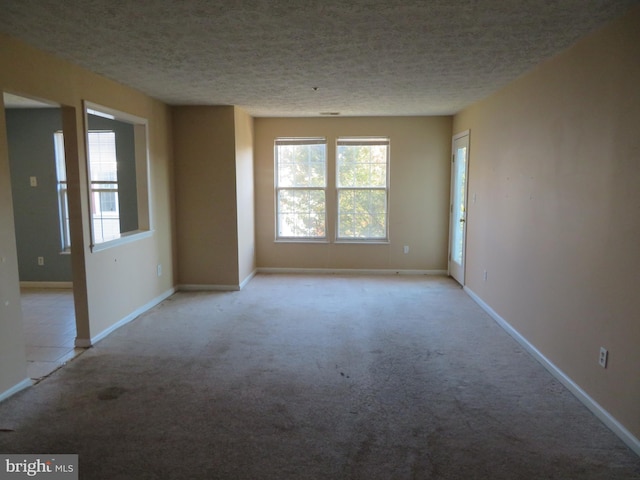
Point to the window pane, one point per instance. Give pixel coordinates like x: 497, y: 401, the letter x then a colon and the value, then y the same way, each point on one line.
x: 362, y: 165
x: 104, y: 168
x: 301, y: 213
x: 64, y: 213
x: 61, y: 169
x: 106, y: 220
x: 301, y: 180
x: 362, y: 214
x: 346, y: 175
x: 378, y: 175
x: 102, y: 156
x: 301, y: 165
x: 63, y: 206
x: 362, y: 179
x: 458, y: 195
x: 108, y: 202
x: 106, y: 228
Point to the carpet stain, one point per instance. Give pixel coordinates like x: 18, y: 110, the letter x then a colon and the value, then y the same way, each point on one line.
x: 111, y: 393
x: 342, y: 374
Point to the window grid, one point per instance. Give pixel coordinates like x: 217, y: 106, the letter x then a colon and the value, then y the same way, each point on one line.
x: 103, y: 166
x: 362, y: 166
x: 301, y: 181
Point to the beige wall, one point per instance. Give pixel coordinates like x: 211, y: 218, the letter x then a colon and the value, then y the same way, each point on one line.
x: 205, y: 173
x: 111, y: 284
x: 245, y: 197
x: 418, y: 195
x: 555, y: 168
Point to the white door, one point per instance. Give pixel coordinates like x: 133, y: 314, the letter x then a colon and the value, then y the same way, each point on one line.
x: 458, y: 217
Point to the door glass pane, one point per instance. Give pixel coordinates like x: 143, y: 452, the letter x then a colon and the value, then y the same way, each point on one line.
x: 458, y: 205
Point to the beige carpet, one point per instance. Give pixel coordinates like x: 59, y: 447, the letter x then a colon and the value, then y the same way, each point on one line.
x: 314, y: 377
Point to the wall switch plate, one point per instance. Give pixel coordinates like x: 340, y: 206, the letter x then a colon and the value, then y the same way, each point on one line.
x: 604, y: 357
x: 406, y: 249
x: 33, y: 181
x: 41, y: 261
x: 159, y: 270
x: 485, y: 275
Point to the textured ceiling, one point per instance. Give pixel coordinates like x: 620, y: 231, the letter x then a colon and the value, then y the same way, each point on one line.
x: 375, y: 57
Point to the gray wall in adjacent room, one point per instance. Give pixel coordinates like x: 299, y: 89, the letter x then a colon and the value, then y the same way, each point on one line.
x: 36, y: 215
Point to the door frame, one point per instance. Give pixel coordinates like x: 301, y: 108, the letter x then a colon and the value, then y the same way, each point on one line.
x: 69, y: 121
x: 460, y: 276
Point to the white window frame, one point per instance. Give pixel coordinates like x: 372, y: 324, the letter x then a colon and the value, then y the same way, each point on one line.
x: 143, y: 181
x: 362, y: 141
x: 99, y: 140
x: 62, y: 188
x: 280, y: 188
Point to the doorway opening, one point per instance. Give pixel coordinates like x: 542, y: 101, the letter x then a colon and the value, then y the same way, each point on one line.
x: 41, y: 220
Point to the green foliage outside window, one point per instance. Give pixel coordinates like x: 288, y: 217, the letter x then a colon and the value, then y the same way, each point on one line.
x: 361, y: 181
x: 362, y: 168
x: 301, y: 179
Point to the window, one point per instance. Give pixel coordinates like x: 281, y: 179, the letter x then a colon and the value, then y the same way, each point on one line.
x: 104, y: 186
x: 103, y: 165
x: 118, y: 174
x: 63, y: 204
x: 362, y: 179
x: 301, y: 183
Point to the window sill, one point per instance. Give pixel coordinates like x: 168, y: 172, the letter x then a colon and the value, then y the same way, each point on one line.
x: 301, y: 240
x: 361, y: 241
x: 127, y: 238
x: 336, y: 242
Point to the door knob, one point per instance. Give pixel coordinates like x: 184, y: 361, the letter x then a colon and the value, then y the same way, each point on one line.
x: 462, y: 220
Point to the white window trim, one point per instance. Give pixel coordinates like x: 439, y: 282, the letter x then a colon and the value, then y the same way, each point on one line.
x: 97, y: 213
x: 363, y: 141
x: 63, y: 192
x: 141, y: 126
x: 299, y: 141
x: 124, y: 239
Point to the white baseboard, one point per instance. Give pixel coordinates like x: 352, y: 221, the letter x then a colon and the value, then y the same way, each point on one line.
x: 27, y: 382
x: 625, y: 435
x: 46, y: 284
x: 86, y: 343
x: 351, y: 271
x: 248, y: 279
x: 207, y: 288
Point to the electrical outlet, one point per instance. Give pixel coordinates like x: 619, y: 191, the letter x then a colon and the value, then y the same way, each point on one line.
x: 485, y: 275
x: 41, y: 261
x: 406, y: 249
x: 604, y: 357
x: 33, y: 181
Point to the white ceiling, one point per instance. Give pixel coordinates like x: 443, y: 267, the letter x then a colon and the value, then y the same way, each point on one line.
x: 366, y: 57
